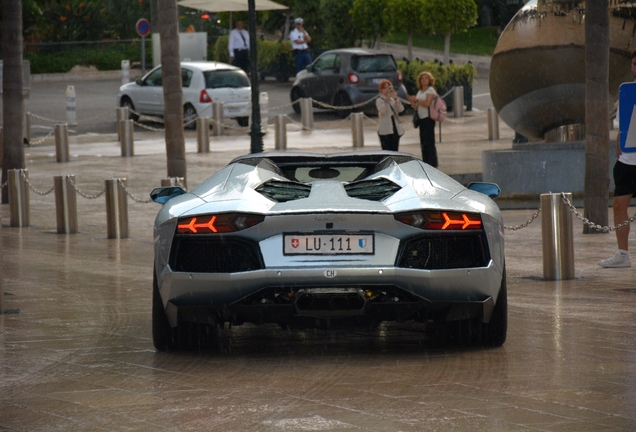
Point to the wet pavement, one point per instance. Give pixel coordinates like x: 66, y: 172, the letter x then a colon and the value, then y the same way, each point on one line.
x: 76, y: 351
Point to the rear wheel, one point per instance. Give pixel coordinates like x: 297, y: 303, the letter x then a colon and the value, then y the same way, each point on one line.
x: 186, y: 336
x: 342, y: 100
x: 296, y: 94
x: 189, y: 117
x: 494, y: 332
x: 127, y: 103
x: 162, y: 334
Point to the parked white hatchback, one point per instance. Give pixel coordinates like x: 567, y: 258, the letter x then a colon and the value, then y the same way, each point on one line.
x: 203, y: 83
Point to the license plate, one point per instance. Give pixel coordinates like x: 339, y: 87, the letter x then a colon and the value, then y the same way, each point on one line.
x: 328, y: 244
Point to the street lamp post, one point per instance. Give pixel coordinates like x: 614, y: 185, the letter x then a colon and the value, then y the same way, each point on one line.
x: 256, y: 142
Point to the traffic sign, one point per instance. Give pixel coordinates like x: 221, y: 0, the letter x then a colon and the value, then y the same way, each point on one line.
x: 143, y: 27
x: 627, y: 117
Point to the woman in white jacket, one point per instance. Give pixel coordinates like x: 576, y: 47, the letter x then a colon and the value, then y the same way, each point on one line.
x: 389, y: 106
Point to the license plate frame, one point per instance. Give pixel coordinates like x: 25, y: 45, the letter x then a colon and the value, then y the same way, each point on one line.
x: 329, y: 243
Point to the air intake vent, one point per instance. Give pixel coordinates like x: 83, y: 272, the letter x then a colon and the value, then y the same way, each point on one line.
x: 281, y: 191
x: 445, y: 252
x: 372, y: 190
x: 214, y: 255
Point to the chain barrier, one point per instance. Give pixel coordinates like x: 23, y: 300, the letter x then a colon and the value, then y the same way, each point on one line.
x: 41, y: 140
x: 26, y: 179
x: 586, y: 221
x: 83, y: 194
x: 525, y: 224
x: 133, y: 197
x: 591, y: 224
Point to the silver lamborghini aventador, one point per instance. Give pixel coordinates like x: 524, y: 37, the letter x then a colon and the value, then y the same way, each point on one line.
x: 328, y: 240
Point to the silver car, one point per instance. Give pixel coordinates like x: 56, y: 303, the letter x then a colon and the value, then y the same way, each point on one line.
x: 203, y: 83
x: 337, y: 240
x: 346, y: 77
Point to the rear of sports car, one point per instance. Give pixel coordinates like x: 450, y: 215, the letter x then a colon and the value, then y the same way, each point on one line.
x: 328, y: 241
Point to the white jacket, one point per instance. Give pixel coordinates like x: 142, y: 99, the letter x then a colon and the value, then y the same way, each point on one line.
x: 388, y: 108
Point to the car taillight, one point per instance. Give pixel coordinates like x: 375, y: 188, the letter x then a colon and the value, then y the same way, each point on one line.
x: 217, y: 223
x: 204, y: 97
x: 353, y: 78
x: 441, y: 220
x: 400, y: 76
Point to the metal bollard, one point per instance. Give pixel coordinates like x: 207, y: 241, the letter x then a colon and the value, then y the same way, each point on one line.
x: 116, y: 208
x: 263, y: 102
x: 61, y: 143
x: 65, y: 204
x: 493, y: 124
x: 126, y: 128
x: 125, y: 71
x: 122, y: 113
x: 71, y: 115
x: 458, y: 101
x: 357, y: 130
x: 203, y: 135
x: 217, y: 118
x: 558, y: 240
x: 280, y: 132
x: 18, y: 197
x: 306, y: 113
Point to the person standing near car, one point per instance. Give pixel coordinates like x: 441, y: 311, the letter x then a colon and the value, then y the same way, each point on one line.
x: 299, y: 41
x: 421, y: 101
x: 239, y: 47
x: 624, y: 189
x: 389, y: 106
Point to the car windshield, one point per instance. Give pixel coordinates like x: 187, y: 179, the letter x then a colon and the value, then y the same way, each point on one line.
x: 373, y: 63
x: 225, y: 78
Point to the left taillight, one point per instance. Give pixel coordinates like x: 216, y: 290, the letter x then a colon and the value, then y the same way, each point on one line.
x: 217, y: 223
x: 204, y: 97
x: 400, y: 76
x: 353, y: 78
x: 441, y: 220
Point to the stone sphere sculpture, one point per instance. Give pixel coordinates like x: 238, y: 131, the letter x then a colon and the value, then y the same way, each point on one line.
x: 537, y: 72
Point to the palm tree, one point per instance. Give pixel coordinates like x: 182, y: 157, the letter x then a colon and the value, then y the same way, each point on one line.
x: 596, y: 112
x: 172, y: 93
x: 13, y: 99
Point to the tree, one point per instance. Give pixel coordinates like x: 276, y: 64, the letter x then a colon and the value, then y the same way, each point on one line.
x: 338, y: 28
x: 13, y: 99
x: 370, y: 19
x: 596, y: 187
x: 406, y: 16
x: 172, y: 93
x: 447, y: 17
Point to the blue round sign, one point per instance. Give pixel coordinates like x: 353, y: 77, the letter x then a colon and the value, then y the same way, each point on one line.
x: 143, y: 27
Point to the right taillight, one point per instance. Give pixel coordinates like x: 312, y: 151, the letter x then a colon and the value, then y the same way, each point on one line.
x: 204, y: 97
x: 441, y: 220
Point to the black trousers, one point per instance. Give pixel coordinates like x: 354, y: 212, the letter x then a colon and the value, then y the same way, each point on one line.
x: 427, y: 141
x: 242, y: 60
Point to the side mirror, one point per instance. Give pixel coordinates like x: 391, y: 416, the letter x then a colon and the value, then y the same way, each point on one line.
x: 163, y: 194
x: 138, y: 81
x: 489, y: 189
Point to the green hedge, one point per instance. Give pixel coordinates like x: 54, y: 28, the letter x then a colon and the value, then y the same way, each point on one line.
x: 103, y: 58
x: 446, y: 76
x: 269, y: 53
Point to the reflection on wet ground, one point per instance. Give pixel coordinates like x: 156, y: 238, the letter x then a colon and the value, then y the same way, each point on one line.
x: 79, y: 355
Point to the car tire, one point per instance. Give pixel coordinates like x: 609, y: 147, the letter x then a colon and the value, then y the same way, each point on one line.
x: 494, y: 332
x: 342, y: 100
x: 243, y: 121
x: 186, y: 336
x: 163, y: 336
x: 296, y: 94
x: 189, y: 117
x: 127, y: 103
